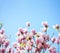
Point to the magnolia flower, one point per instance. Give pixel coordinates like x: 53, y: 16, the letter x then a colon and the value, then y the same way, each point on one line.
x: 45, y: 24
x: 30, y: 43
x: 25, y: 30
x: 19, y: 39
x: 45, y: 37
x: 39, y: 40
x: 18, y: 33
x: 6, y: 43
x: 37, y: 50
x: 45, y: 45
x: 53, y: 39
x: 57, y: 41
x: 3, y: 50
x: 40, y: 46
x: 44, y: 29
x: 23, y: 44
x: 28, y: 24
x: 9, y: 50
x: 2, y: 39
x: 15, y: 45
x: 57, y: 27
x: 33, y: 31
x: 52, y: 50
x: 21, y: 30
x: 28, y: 48
x: 58, y: 36
x: 2, y: 31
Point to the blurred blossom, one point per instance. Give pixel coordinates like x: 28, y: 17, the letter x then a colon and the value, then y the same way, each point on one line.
x: 6, y: 43
x: 29, y: 40
x: 53, y: 39
x: 57, y: 41
x: 2, y: 31
x: 52, y: 50
x: 25, y: 30
x: 33, y: 31
x: 15, y: 45
x: 28, y: 24
x: 57, y: 27
x: 44, y: 29
x: 45, y: 24
x: 18, y: 33
x: 21, y: 30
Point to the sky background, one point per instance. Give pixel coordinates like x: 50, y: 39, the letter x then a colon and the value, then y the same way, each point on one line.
x: 15, y: 13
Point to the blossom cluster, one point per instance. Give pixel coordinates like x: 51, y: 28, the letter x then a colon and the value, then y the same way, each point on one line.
x: 31, y: 41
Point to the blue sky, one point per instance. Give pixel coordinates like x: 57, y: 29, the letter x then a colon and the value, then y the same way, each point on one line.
x: 15, y: 13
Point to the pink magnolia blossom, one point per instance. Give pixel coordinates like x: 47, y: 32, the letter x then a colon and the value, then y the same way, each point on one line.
x: 44, y: 29
x: 21, y: 30
x: 39, y: 40
x: 28, y: 24
x: 25, y: 30
x: 58, y: 36
x: 6, y: 43
x: 45, y: 24
x: 18, y: 33
x: 53, y: 39
x: 3, y: 50
x: 2, y: 31
x: 29, y: 48
x: 52, y: 50
x: 56, y: 26
x: 9, y: 50
x: 33, y: 31
x: 15, y: 45
x: 57, y: 41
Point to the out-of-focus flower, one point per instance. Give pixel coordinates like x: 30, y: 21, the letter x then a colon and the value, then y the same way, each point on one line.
x: 33, y: 31
x: 46, y: 37
x: 18, y: 33
x: 19, y: 39
x: 57, y: 41
x: 39, y: 46
x: 39, y: 40
x: 53, y: 39
x: 3, y: 50
x: 6, y: 43
x: 2, y: 31
x: 57, y: 27
x: 15, y: 45
x: 25, y: 30
x: 37, y: 50
x: 23, y: 44
x: 28, y: 24
x: 21, y: 30
x: 29, y: 36
x: 30, y: 43
x: 58, y: 36
x: 29, y: 48
x: 52, y: 50
x: 45, y: 24
x: 46, y: 46
x: 9, y: 50
x: 44, y: 29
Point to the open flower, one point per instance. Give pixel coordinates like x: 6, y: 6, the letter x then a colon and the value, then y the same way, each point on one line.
x: 52, y: 50
x: 28, y: 24
x: 45, y: 24
x: 57, y: 27
x: 53, y: 39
